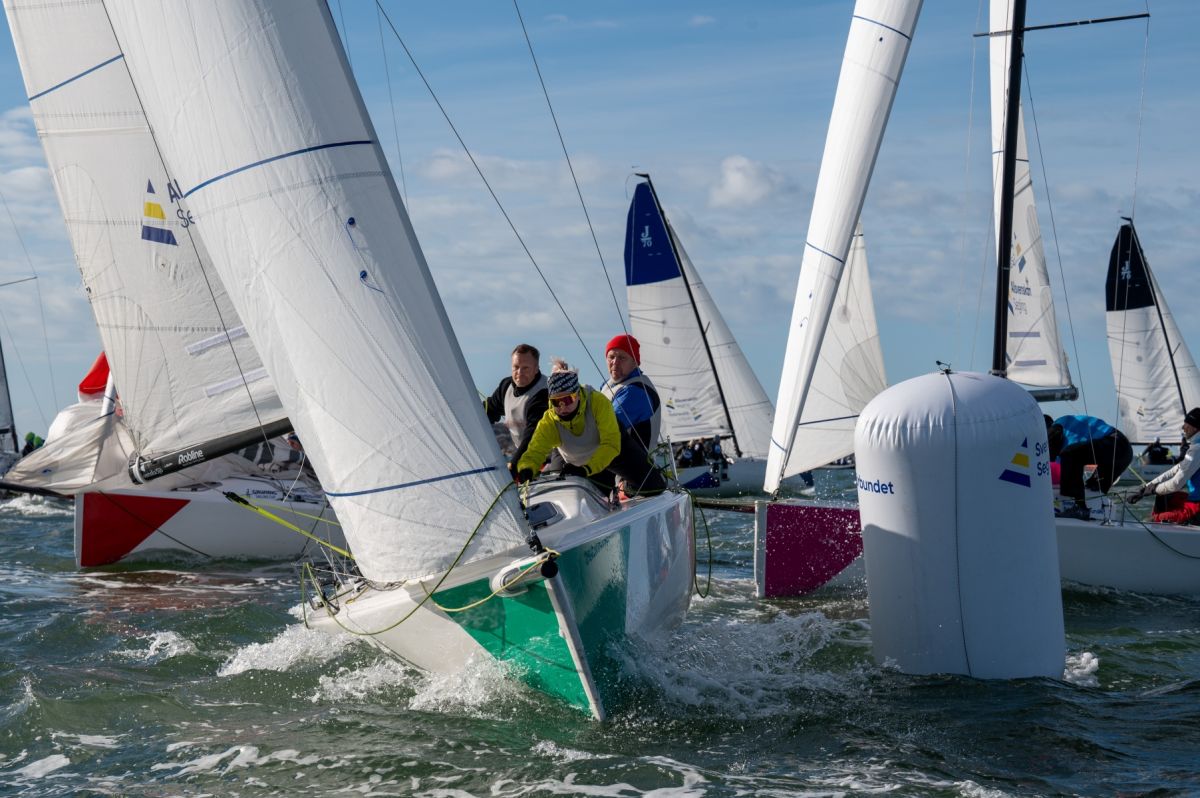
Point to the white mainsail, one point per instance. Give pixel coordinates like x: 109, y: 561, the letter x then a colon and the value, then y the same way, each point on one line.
x: 703, y: 378
x: 264, y: 131
x: 1155, y: 376
x: 876, y: 48
x: 186, y: 370
x: 1035, y: 356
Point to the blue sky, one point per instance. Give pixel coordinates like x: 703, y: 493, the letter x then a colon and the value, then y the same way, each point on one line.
x: 726, y: 105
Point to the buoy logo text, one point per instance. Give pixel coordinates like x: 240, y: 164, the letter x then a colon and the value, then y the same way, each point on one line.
x: 876, y: 486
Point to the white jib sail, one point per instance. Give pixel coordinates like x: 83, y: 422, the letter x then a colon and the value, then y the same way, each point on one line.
x: 263, y: 128
x: 185, y: 369
x: 673, y: 335
x: 1035, y: 356
x: 849, y: 371
x: 1155, y: 376
x: 880, y: 34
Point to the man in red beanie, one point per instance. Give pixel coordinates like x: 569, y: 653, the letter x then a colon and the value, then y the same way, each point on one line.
x: 632, y: 393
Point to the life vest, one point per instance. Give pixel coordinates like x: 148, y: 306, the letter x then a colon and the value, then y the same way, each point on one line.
x: 516, y: 407
x: 656, y: 417
x: 578, y: 449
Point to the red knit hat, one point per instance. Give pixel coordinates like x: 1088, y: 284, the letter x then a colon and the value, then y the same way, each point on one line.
x: 628, y: 344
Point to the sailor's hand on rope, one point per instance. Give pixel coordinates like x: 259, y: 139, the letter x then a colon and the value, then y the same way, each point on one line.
x: 572, y: 470
x: 524, y: 475
x: 1135, y: 496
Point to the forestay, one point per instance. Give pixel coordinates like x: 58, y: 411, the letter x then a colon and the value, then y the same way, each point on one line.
x: 1035, y: 356
x: 265, y: 132
x: 877, y: 46
x: 185, y: 369
x: 1156, y: 378
x: 673, y: 325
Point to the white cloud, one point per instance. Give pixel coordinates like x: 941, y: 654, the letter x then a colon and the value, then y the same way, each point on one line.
x: 700, y: 20
x: 744, y: 182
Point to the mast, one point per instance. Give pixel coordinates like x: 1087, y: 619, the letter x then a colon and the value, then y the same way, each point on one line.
x: 1007, y: 184
x: 712, y: 363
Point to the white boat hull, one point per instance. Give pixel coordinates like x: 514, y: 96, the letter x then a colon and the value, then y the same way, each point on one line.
x: 623, y: 574
x: 1139, y: 557
x: 112, y: 526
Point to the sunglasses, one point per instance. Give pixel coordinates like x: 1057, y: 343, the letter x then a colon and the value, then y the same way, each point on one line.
x: 562, y: 401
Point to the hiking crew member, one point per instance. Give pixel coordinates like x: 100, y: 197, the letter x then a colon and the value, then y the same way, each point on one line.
x: 1079, y: 441
x: 520, y: 400
x: 1177, y: 490
x: 633, y: 395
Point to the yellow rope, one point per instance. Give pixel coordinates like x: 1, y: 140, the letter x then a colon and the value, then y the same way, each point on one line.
x: 549, y: 555
x: 428, y: 593
x: 242, y: 501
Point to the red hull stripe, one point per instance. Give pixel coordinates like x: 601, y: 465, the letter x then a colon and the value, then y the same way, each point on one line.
x: 115, y: 524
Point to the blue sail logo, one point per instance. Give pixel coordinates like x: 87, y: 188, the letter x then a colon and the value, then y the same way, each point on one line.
x: 1018, y: 470
x: 152, y: 217
x: 646, y: 239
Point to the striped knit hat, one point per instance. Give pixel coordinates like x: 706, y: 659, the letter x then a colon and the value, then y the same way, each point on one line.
x: 563, y: 382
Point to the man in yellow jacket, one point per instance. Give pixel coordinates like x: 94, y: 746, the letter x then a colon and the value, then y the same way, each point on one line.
x: 582, y: 426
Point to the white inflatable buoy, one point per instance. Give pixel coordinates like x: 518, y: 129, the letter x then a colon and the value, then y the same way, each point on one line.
x: 958, y: 529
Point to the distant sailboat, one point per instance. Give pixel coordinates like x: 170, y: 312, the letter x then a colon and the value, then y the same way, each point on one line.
x: 296, y: 205
x: 192, y: 386
x: 707, y: 387
x: 1153, y: 370
x: 10, y: 445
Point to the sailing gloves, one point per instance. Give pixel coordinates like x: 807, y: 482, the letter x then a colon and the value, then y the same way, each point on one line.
x: 570, y: 470
x: 1135, y: 496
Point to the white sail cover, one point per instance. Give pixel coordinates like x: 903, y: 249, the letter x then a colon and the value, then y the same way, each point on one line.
x: 673, y: 332
x: 185, y: 369
x: 1156, y: 378
x: 263, y: 128
x: 880, y: 34
x: 1034, y: 354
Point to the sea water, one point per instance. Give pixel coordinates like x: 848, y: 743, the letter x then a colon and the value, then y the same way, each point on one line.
x: 197, y: 679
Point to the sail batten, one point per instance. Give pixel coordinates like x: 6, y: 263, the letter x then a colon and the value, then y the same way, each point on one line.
x: 293, y: 197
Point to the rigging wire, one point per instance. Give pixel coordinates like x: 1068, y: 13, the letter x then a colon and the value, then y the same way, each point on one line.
x: 967, y: 193
x: 387, y: 71
x: 41, y: 312
x: 479, y: 170
x: 571, y: 167
x: 1137, y: 160
x: 1062, y: 275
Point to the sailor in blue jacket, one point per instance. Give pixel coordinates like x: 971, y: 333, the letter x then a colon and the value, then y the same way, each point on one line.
x: 1079, y: 441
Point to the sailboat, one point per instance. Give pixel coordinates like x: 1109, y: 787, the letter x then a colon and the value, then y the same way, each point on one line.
x: 10, y: 446
x: 706, y: 385
x: 1153, y: 370
x: 833, y: 365
x: 192, y: 387
x: 1122, y: 553
x: 292, y: 196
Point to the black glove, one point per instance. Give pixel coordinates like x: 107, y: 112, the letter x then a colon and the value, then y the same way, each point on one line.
x: 523, y: 476
x: 572, y: 470
x: 1136, y: 496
